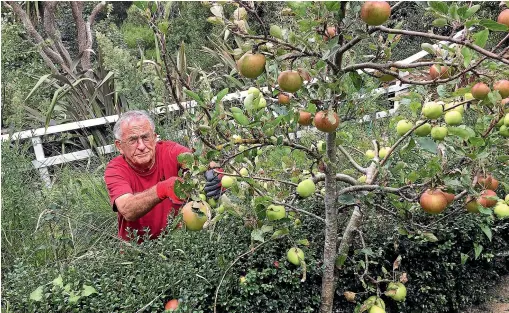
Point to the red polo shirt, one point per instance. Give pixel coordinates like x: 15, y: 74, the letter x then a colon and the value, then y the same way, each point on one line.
x: 122, y: 179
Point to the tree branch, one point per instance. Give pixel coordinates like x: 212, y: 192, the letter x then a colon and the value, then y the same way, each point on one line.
x: 351, y: 160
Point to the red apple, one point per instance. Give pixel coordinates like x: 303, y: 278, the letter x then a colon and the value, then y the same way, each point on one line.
x: 503, y: 17
x: 305, y: 118
x: 326, y: 121
x: 502, y: 86
x: 484, y: 201
x: 433, y: 201
x: 444, y: 72
x: 480, y: 91
x: 488, y: 182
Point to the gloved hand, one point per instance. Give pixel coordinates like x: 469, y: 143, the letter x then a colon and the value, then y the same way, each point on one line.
x: 165, y: 189
x: 213, y: 185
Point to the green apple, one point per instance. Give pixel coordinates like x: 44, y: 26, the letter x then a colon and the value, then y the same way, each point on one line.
x: 220, y: 209
x: 403, y: 127
x: 253, y: 91
x: 432, y: 110
x: 322, y: 146
x: 383, y: 152
x: 242, y: 280
x: 460, y: 108
x: 439, y: 132
x: 306, y: 188
x: 501, y: 210
x: 370, y: 154
x: 212, y: 202
x: 468, y: 96
x: 244, y: 172
x: 275, y: 31
x: 453, y: 118
x: 500, y: 123
x: 507, y: 199
x: 242, y: 148
x: 259, y: 151
x: 275, y: 212
x: 374, y: 300
x: 376, y: 309
x: 262, y: 103
x: 362, y: 179
x: 248, y: 101
x: 295, y: 255
x: 203, y: 197
x: 423, y: 130
x: 506, y: 119
x: 227, y: 181
x: 504, y: 131
x: 396, y: 291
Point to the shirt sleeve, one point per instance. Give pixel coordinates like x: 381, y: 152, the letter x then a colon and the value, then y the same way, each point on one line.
x: 117, y: 183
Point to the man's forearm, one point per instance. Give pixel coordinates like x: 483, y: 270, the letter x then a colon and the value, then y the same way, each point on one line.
x: 137, y: 205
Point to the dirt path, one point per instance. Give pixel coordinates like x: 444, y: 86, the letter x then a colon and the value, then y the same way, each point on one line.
x: 499, y: 302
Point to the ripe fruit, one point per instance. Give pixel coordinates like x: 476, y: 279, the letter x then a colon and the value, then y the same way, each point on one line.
x: 322, y: 146
x: 295, y: 256
x: 396, y: 291
x: 484, y: 201
x: 326, y: 121
x: 433, y: 201
x: 503, y: 87
x: 383, y: 152
x: 423, y: 130
x: 227, y: 181
x: 448, y: 196
x: 171, y: 305
x: 329, y: 33
x: 275, y: 212
x: 251, y: 65
x: 472, y: 205
x: 375, y: 13
x: 306, y: 188
x: 289, y: 81
x: 453, y: 118
x: 283, y: 98
x: 403, y: 127
x: 432, y: 110
x: 480, y: 91
x: 244, y: 172
x: 488, y: 182
x: 501, y: 210
x: 305, y: 118
x: 443, y: 74
x: 370, y: 154
x: 459, y: 108
x: 503, y: 17
x: 439, y: 132
x: 194, y: 220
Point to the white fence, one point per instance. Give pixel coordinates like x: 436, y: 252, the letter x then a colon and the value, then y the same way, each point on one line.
x: 42, y: 162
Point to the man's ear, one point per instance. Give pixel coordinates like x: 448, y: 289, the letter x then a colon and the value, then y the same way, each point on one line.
x: 119, y: 147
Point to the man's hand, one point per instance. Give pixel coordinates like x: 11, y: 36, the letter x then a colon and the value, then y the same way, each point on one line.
x: 165, y: 189
x: 213, y: 185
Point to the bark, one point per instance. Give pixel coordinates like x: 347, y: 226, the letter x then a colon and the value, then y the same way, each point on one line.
x: 331, y: 227
x: 346, y: 240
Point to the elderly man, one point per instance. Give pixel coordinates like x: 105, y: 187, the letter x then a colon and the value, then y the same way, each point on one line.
x: 140, y: 181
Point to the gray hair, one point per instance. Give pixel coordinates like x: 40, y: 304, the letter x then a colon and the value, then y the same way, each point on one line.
x: 130, y: 116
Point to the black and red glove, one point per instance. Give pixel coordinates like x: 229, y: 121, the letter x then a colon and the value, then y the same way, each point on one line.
x: 213, y: 185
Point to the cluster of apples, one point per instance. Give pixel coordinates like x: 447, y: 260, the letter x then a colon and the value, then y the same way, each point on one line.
x: 434, y: 110
x: 395, y: 290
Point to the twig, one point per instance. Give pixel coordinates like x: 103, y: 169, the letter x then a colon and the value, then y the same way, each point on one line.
x: 351, y: 160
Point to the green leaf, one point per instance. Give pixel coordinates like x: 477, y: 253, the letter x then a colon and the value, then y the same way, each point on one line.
x: 492, y: 25
x: 477, y: 250
x: 257, y: 235
x: 73, y: 298
x: 87, y: 290
x: 58, y: 281
x: 39, y: 82
x: 453, y: 11
x: 464, y: 258
x: 481, y: 38
x: 428, y: 48
x: 347, y: 199
x: 221, y: 95
x: 280, y: 232
x: 356, y: 80
x: 487, y: 231
x: 430, y: 237
x: 332, y: 6
x: 472, y: 10
x: 476, y: 141
x: 439, y: 22
x: 467, y: 56
x: 427, y: 144
x: 303, y: 242
x: 439, y: 6
x: 194, y: 96
x: 36, y: 295
x: 462, y: 131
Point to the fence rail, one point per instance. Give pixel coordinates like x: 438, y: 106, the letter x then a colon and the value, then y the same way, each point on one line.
x: 42, y: 162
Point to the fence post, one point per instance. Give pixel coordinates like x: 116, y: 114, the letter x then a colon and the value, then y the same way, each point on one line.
x: 39, y: 156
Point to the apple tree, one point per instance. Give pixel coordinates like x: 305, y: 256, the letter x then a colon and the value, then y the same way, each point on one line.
x: 303, y: 85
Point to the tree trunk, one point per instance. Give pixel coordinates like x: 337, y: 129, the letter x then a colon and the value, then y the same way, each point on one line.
x: 331, y: 227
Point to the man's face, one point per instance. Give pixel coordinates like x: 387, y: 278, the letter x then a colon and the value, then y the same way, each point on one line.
x: 137, y: 143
